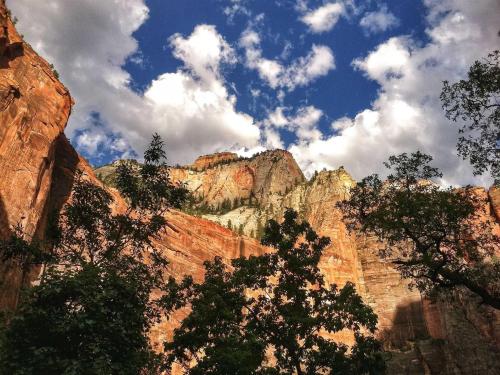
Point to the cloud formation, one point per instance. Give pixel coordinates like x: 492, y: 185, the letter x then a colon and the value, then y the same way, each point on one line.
x: 378, y: 21
x: 323, y: 18
x: 407, y: 114
x: 300, y: 72
x: 89, y: 41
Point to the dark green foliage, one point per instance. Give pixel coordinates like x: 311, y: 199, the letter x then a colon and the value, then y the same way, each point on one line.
x: 278, y: 305
x: 475, y: 101
x: 93, y: 307
x: 87, y: 321
x: 148, y: 187
x: 314, y: 177
x: 225, y: 206
x: 22, y: 252
x: 56, y: 74
x: 438, y: 237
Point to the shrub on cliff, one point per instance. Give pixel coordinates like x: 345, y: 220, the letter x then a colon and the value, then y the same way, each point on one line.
x: 270, y: 314
x: 93, y: 307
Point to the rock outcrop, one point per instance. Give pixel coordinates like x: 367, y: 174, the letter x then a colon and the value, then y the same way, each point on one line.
x: 258, y: 180
x: 423, y: 337
x: 34, y: 110
x: 208, y: 161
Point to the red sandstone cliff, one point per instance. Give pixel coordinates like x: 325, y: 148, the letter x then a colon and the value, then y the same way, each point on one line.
x: 34, y: 109
x: 37, y: 167
x: 261, y: 178
x: 208, y: 161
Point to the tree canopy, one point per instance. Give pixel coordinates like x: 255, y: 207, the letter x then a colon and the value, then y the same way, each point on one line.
x: 440, y: 238
x: 475, y: 104
x: 269, y: 314
x: 92, y: 308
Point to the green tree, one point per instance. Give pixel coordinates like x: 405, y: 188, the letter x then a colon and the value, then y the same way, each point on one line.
x: 92, y: 308
x: 438, y: 237
x: 475, y: 104
x: 268, y: 315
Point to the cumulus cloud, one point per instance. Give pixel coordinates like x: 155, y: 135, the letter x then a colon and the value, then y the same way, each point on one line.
x: 203, y: 52
x: 303, y: 123
x: 323, y: 18
x: 89, y: 41
x: 387, y: 60
x: 378, y: 21
x: 407, y: 114
x: 301, y: 72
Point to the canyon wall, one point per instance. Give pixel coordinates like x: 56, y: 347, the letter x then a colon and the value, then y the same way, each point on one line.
x: 37, y: 169
x: 422, y: 337
x: 34, y: 110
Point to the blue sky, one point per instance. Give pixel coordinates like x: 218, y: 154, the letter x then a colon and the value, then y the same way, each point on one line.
x: 342, y: 92
x: 335, y: 82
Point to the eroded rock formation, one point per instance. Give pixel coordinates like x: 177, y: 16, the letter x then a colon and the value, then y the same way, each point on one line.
x: 259, y: 180
x: 37, y: 170
x: 34, y: 109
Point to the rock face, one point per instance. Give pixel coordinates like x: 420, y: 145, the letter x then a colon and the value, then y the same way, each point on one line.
x: 424, y: 338
x: 208, y: 161
x: 494, y: 195
x: 37, y: 169
x: 257, y: 180
x: 34, y: 109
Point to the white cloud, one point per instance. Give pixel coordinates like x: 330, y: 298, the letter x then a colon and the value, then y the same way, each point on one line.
x: 407, y: 114
x: 236, y: 7
x: 323, y: 18
x: 88, y: 41
x: 301, y: 72
x: 388, y: 60
x: 203, y: 52
x: 379, y: 20
x: 303, y: 124
x: 318, y: 62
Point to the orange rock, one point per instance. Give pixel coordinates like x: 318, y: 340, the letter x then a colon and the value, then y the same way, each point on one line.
x: 37, y: 169
x: 34, y: 110
x: 207, y: 161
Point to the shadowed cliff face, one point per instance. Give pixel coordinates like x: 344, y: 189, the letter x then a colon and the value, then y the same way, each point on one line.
x: 4, y: 219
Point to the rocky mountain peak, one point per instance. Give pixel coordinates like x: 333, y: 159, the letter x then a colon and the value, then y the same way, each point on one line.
x: 206, y: 161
